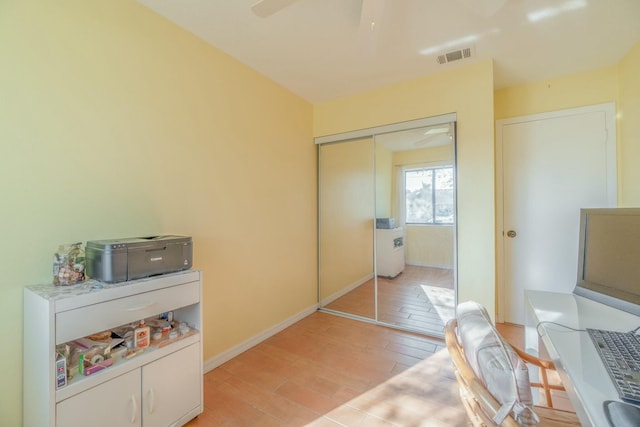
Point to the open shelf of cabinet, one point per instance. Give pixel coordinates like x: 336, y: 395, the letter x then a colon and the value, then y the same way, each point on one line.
x: 160, y: 386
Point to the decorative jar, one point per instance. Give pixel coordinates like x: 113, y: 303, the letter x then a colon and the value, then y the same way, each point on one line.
x: 68, y: 265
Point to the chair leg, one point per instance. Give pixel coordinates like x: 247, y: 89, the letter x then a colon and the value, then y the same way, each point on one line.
x: 547, y: 390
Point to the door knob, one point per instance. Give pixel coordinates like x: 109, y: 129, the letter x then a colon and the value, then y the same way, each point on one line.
x: 511, y: 233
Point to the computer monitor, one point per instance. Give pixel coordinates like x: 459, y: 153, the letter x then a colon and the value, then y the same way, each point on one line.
x: 609, y: 257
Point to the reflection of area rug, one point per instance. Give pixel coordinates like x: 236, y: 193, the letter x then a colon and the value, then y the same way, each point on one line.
x: 415, y: 305
x: 442, y: 300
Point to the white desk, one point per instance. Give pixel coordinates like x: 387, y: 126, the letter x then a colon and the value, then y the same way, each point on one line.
x: 580, y: 368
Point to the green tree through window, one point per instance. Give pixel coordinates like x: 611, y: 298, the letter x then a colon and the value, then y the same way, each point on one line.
x: 429, y: 195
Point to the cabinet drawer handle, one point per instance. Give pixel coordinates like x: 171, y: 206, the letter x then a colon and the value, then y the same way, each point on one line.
x: 151, y: 397
x: 141, y: 306
x: 134, y: 409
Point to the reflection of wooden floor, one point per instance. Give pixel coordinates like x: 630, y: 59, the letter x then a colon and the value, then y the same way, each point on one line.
x: 420, y: 298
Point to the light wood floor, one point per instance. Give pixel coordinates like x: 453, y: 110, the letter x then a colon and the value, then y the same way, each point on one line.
x: 328, y: 370
x: 420, y: 298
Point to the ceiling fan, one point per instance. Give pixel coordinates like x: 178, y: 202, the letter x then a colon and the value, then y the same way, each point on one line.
x: 370, y: 10
x: 266, y: 8
x: 371, y: 15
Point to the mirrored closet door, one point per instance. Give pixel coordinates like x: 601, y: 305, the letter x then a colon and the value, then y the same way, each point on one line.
x: 387, y: 219
x: 346, y: 215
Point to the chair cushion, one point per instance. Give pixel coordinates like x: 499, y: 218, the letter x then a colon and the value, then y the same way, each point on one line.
x: 497, y: 365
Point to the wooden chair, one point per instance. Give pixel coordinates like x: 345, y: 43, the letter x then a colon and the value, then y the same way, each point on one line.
x: 482, y: 407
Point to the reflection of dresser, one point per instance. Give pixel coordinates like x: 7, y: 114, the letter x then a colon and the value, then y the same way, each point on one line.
x: 390, y: 252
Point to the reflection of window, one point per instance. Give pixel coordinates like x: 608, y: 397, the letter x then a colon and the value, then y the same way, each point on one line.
x: 428, y: 194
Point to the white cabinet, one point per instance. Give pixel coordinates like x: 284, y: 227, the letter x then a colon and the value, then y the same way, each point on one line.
x: 168, y: 393
x: 160, y: 386
x: 389, y: 252
x: 114, y: 403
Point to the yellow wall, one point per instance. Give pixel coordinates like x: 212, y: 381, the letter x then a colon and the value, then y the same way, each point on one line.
x: 575, y: 90
x: 384, y: 180
x: 346, y: 210
x: 116, y: 123
x: 429, y: 246
x: 629, y: 129
x: 467, y: 91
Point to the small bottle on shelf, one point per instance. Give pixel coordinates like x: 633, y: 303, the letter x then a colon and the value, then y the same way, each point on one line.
x: 141, y: 335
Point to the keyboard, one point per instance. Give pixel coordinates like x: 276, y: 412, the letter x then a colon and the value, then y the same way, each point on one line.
x: 620, y: 353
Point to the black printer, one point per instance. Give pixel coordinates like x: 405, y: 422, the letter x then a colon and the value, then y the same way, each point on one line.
x: 133, y: 258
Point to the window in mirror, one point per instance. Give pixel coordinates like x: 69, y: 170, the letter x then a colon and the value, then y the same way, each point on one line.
x: 429, y: 195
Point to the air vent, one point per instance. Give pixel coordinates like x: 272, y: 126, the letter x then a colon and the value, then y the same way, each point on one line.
x: 455, y: 55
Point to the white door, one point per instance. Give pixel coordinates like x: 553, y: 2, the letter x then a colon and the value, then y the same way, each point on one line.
x: 550, y: 166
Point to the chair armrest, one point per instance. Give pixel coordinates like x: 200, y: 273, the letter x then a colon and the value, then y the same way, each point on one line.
x: 545, y: 365
x: 541, y: 363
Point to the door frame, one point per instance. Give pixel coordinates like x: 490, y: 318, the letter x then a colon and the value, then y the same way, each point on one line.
x: 609, y: 109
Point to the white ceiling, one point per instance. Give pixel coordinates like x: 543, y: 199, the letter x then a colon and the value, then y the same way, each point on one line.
x: 319, y: 50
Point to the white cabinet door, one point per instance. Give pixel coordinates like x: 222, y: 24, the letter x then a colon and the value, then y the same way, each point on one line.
x: 114, y: 403
x: 172, y: 387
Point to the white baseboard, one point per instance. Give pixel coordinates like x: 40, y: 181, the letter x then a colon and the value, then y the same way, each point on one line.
x: 225, y: 356
x: 331, y: 298
x: 425, y: 264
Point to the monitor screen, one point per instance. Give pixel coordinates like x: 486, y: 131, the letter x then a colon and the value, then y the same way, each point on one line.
x: 609, y: 257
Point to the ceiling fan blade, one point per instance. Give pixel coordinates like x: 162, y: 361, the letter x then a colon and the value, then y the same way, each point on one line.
x: 265, y: 8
